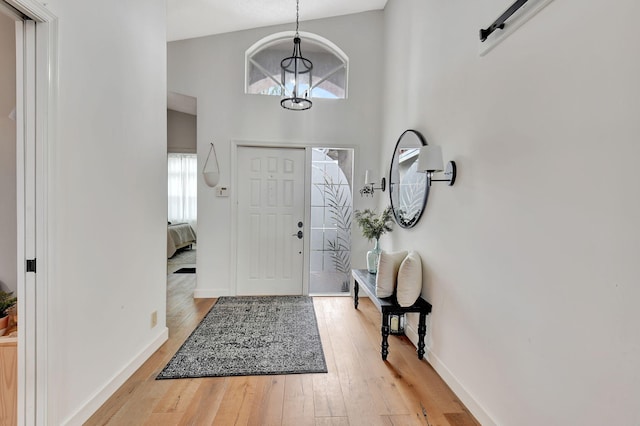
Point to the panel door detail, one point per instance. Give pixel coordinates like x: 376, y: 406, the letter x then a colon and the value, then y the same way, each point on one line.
x: 270, y: 206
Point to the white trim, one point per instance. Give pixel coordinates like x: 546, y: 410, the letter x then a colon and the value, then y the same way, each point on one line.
x: 233, y: 245
x: 20, y: 203
x: 38, y: 79
x: 91, y: 405
x: 46, y: 101
x: 479, y: 412
x: 233, y: 212
x: 28, y: 293
x: 33, y: 10
x: 288, y: 35
x: 306, y: 251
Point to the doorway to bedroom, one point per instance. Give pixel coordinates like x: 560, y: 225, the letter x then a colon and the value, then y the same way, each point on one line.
x: 182, y: 184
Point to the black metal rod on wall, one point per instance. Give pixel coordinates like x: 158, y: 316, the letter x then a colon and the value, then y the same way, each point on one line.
x: 499, y: 23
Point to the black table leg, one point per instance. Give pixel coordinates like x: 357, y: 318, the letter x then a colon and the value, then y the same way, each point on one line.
x: 422, y: 330
x: 355, y: 293
x: 385, y: 336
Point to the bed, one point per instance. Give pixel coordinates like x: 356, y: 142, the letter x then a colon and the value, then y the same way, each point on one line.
x: 179, y: 235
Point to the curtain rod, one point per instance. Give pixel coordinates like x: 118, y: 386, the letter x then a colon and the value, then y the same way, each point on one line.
x: 499, y: 23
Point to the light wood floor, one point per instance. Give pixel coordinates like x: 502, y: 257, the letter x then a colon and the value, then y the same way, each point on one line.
x: 359, y: 389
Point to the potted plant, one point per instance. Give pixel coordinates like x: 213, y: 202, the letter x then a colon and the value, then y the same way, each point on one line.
x: 6, y: 302
x: 373, y: 226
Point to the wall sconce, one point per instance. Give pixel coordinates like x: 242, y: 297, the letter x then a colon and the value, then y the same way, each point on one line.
x: 430, y: 161
x: 369, y: 182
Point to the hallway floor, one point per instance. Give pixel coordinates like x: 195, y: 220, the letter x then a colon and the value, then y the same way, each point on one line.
x: 359, y: 389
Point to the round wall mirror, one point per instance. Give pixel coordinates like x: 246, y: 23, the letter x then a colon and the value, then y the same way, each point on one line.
x: 408, y: 188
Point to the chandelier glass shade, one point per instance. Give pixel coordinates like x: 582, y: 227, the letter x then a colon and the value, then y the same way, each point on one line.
x: 296, y: 76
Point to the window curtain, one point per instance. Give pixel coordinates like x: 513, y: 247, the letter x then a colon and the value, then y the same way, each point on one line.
x: 183, y: 188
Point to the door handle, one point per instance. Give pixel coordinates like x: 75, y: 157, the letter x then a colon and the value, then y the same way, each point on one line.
x: 299, y: 235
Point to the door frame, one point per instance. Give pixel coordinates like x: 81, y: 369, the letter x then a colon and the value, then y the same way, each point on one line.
x: 233, y: 244
x: 36, y: 82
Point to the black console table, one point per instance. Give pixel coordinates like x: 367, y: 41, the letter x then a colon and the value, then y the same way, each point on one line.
x: 365, y: 281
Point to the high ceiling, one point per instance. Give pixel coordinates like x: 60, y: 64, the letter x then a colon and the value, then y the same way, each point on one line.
x: 196, y: 18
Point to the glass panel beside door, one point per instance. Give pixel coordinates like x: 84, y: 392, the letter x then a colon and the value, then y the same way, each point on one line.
x: 331, y: 216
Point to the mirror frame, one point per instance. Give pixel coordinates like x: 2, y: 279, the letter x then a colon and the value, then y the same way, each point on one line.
x: 394, y: 159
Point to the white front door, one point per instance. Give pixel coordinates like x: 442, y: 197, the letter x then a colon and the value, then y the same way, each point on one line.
x: 270, y: 258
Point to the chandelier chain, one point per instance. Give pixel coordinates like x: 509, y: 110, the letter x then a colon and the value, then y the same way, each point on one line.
x: 297, y: 15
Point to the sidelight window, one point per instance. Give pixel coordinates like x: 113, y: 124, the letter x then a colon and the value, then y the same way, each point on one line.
x: 331, y: 217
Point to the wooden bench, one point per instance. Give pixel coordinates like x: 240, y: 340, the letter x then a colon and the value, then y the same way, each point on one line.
x: 365, y: 281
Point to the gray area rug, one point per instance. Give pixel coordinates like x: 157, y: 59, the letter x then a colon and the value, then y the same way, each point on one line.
x: 251, y: 336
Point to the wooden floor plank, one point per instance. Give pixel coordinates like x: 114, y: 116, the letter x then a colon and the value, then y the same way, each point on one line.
x: 436, y: 399
x: 163, y: 419
x: 298, y: 408
x: 178, y: 397
x: 332, y: 421
x: 204, y: 406
x: 362, y: 400
x: 460, y: 419
x: 268, y: 402
x: 237, y: 401
x: 137, y: 409
x: 405, y: 420
x: 359, y: 388
x: 327, y: 391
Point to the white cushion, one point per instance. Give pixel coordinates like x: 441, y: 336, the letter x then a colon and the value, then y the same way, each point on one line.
x: 388, y: 267
x: 409, y: 280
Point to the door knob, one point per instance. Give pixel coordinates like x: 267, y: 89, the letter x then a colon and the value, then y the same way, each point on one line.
x: 299, y: 235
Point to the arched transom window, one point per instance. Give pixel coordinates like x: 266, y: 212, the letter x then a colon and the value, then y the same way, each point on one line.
x: 330, y: 65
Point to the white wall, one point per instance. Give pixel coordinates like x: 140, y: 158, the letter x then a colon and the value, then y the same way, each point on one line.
x: 531, y: 259
x: 212, y: 70
x: 181, y: 132
x: 108, y: 248
x: 8, y: 227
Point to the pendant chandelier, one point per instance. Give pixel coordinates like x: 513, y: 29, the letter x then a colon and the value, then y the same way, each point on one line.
x: 296, y: 75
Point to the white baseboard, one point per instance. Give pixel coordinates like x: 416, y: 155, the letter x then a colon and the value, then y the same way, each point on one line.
x: 452, y: 381
x: 209, y: 293
x: 101, y: 396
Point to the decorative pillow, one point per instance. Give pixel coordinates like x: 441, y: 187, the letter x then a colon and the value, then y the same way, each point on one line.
x: 387, y: 275
x: 409, y: 280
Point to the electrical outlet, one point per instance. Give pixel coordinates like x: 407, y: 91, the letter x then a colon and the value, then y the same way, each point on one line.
x: 154, y: 318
